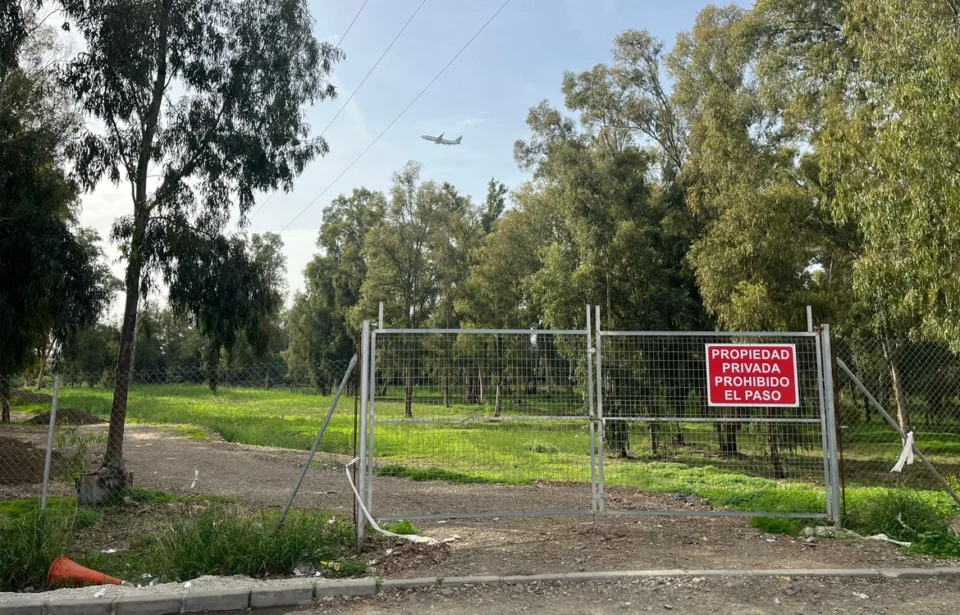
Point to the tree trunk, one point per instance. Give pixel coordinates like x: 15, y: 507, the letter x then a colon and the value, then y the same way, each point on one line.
x: 903, y: 413
x: 498, y: 405
x: 773, y: 438
x: 112, y: 474
x: 213, y: 367
x: 44, y: 356
x: 655, y: 438
x: 483, y: 395
x: 113, y: 458
x: 446, y: 391
x: 4, y: 399
x: 617, y: 439
x: 408, y: 394
x: 548, y: 376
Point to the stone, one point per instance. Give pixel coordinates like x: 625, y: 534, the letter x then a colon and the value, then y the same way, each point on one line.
x: 287, y: 595
x: 80, y: 606
x: 223, y: 600
x: 153, y: 604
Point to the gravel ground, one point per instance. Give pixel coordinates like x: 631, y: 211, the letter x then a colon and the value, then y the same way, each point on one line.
x: 740, y: 596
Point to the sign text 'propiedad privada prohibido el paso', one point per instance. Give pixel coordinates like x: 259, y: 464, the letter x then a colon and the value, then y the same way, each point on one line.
x: 752, y: 375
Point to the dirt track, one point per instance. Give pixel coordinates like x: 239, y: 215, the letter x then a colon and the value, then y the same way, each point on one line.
x: 735, y: 596
x: 261, y: 476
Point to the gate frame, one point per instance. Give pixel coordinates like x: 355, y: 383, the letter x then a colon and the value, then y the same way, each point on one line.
x: 827, y: 423
x: 593, y: 335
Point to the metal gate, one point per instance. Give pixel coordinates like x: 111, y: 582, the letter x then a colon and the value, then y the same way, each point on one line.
x: 466, y: 423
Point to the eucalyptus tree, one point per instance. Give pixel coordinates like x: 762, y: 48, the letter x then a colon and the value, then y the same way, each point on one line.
x: 196, y: 106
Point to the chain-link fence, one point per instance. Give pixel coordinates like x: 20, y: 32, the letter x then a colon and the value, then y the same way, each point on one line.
x: 918, y: 384
x: 237, y: 432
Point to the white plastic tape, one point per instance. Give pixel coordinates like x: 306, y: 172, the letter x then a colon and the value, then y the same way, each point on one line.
x: 373, y: 524
x: 906, y: 457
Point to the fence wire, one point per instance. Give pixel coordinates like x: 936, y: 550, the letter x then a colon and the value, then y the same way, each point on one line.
x: 482, y: 409
x: 918, y: 384
x: 187, y: 432
x: 660, y: 433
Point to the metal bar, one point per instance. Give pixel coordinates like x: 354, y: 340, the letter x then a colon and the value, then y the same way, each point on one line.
x: 372, y: 390
x: 379, y: 321
x: 486, y: 515
x: 714, y: 513
x: 830, y: 406
x: 824, y: 444
x: 600, y: 424
x: 48, y: 457
x: 316, y: 441
x: 490, y: 331
x: 485, y: 419
x: 788, y: 334
x: 364, y: 383
x: 684, y: 419
x: 889, y: 419
x: 594, y: 494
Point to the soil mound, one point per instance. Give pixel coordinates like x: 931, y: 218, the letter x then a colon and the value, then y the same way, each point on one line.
x: 66, y: 416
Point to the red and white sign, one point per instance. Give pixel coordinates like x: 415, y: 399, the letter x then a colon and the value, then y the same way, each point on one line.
x: 752, y: 375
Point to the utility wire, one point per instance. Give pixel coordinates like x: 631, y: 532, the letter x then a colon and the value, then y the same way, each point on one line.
x: 405, y: 109
x: 339, y: 42
x: 354, y: 93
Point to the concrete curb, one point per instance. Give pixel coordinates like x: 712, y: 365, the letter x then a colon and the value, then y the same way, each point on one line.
x: 261, y: 595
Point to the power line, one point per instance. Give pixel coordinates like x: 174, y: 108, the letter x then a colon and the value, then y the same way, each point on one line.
x: 347, y: 31
x: 340, y: 42
x: 354, y: 93
x: 405, y: 109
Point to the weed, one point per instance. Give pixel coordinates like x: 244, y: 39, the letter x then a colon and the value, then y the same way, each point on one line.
x: 78, y: 451
x: 221, y: 543
x: 777, y: 525
x: 402, y: 527
x: 901, y: 515
x: 541, y: 446
x: 26, y: 552
x: 427, y: 474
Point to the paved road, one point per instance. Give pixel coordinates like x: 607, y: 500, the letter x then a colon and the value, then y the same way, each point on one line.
x: 741, y: 596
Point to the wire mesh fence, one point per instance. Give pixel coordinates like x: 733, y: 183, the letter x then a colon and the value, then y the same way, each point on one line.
x: 561, y: 421
x: 237, y: 432
x: 918, y: 384
x: 662, y: 434
x: 481, y: 409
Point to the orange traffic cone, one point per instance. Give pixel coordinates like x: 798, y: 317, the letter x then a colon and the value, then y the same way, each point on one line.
x: 64, y: 569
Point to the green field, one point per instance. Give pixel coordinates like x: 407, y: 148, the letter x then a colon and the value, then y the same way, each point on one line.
x: 468, y: 446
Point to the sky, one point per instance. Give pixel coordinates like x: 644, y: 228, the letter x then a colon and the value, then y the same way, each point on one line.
x: 516, y: 62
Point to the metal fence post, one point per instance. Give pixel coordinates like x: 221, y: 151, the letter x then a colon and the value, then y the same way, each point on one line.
x: 362, y: 452
x: 593, y: 444
x: 824, y: 442
x: 600, y: 425
x: 371, y: 411
x: 831, y: 419
x: 49, y: 454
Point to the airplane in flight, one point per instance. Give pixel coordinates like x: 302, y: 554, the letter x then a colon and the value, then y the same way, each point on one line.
x: 441, y: 141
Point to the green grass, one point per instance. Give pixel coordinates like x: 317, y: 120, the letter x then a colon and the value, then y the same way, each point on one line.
x: 402, y: 527
x: 218, y: 541
x: 471, y: 447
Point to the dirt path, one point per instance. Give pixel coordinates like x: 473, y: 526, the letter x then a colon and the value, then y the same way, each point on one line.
x: 263, y: 477
x: 737, y: 596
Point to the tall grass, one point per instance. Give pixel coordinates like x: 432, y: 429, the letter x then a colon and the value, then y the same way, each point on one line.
x: 218, y: 541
